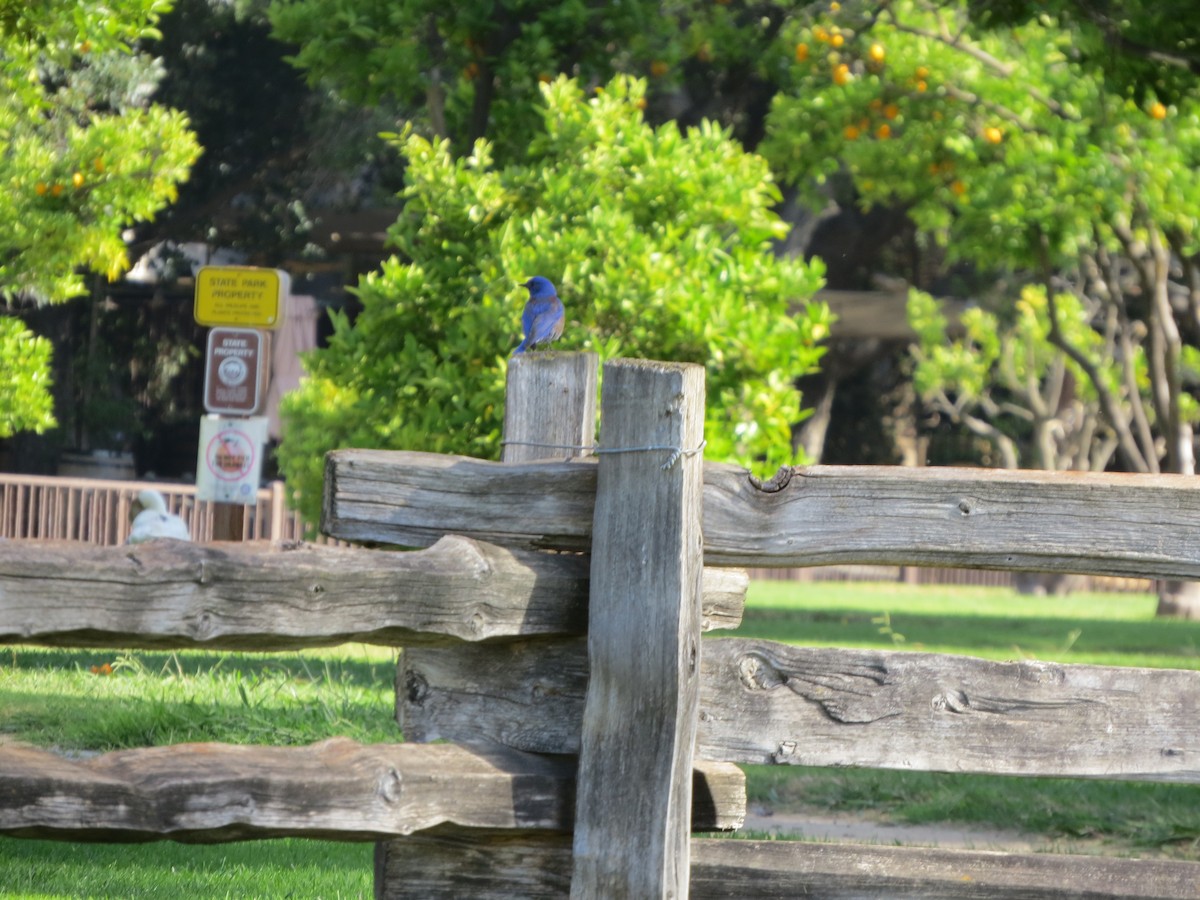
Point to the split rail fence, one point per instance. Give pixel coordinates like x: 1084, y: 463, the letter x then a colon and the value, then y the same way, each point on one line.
x: 552, y: 632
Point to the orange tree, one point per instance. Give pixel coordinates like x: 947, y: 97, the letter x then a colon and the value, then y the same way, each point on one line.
x: 83, y: 155
x: 1014, y: 145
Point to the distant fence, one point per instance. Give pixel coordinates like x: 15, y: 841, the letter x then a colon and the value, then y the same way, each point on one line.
x: 566, y: 728
x: 97, y: 511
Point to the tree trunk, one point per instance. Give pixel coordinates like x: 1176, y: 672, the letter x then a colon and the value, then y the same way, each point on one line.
x: 1180, y: 599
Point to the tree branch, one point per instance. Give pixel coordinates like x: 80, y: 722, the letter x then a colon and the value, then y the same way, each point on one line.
x: 1131, y: 456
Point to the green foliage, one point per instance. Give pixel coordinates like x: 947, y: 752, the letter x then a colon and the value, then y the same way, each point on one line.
x: 1004, y: 143
x: 84, y: 156
x: 25, y: 401
x: 1009, y: 142
x: 468, y: 69
x: 659, y: 243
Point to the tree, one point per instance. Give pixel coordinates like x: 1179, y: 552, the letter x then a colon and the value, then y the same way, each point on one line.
x: 467, y: 70
x: 1010, y: 143
x: 84, y: 156
x: 1002, y: 379
x: 659, y: 242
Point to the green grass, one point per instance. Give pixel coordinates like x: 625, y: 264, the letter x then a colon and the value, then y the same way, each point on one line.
x: 53, y: 699
x: 1109, y: 629
x: 267, y: 869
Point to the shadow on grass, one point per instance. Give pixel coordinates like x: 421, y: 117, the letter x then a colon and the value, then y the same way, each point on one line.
x: 1054, y: 638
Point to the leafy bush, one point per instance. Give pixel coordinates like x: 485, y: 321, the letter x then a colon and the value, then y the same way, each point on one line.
x: 660, y: 244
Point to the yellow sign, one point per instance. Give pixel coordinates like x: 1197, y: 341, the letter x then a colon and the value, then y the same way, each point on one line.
x: 243, y: 296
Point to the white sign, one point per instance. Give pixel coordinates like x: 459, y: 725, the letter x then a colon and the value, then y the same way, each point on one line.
x: 229, y: 466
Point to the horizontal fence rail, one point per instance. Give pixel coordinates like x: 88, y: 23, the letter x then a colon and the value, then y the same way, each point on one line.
x: 174, y: 595
x: 97, y: 511
x: 333, y: 790
x: 1097, y: 523
x: 437, y: 864
x: 764, y: 702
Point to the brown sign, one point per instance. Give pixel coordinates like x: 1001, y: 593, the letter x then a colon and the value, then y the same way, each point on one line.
x: 233, y: 371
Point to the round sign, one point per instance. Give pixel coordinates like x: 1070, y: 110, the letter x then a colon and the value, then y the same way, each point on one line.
x: 232, y: 371
x: 230, y: 454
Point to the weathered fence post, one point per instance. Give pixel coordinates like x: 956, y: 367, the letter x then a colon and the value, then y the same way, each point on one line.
x: 550, y: 412
x: 634, y: 790
x: 550, y: 406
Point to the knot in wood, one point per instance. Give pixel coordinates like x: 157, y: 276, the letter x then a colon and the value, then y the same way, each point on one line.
x: 758, y: 673
x: 965, y: 507
x: 391, y: 786
x: 776, y: 483
x: 951, y: 701
x: 416, y: 687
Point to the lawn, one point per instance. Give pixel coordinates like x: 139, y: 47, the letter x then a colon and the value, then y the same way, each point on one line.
x: 1107, y: 629
x: 72, y: 701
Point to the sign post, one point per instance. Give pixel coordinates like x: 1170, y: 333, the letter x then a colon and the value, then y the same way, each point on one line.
x: 235, y: 301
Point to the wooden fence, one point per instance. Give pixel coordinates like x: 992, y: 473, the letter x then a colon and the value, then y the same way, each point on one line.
x: 97, y: 511
x: 552, y: 627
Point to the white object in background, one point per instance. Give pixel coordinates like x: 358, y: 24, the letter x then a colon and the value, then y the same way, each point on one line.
x: 154, y: 521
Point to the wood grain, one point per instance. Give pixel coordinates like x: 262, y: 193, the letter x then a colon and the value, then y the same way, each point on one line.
x: 172, y: 594
x: 764, y: 702
x: 639, y: 721
x: 771, y: 703
x: 442, y: 863
x: 550, y: 406
x: 1098, y: 523
x: 333, y: 790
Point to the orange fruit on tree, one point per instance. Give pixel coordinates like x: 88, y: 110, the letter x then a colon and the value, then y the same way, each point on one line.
x: 993, y: 135
x: 40, y: 188
x: 884, y: 131
x: 921, y: 86
x: 56, y: 189
x: 876, y: 53
x: 77, y: 179
x: 1158, y: 111
x: 841, y: 74
x: 958, y: 187
x: 837, y: 40
x: 922, y: 72
x: 801, y: 52
x: 821, y: 34
x: 891, y: 111
x: 850, y: 132
x: 658, y: 68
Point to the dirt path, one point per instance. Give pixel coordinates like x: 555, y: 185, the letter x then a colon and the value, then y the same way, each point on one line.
x: 862, y: 829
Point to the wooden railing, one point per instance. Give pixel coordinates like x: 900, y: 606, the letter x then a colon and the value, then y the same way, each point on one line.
x: 97, y: 511
x: 585, y: 730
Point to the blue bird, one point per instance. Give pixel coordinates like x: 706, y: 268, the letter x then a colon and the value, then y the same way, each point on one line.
x: 543, y: 317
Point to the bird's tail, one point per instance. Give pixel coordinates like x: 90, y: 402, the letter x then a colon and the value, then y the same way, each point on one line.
x: 520, y: 347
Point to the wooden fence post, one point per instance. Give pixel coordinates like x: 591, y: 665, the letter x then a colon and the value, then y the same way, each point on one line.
x: 634, y: 789
x: 550, y: 412
x: 550, y: 406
